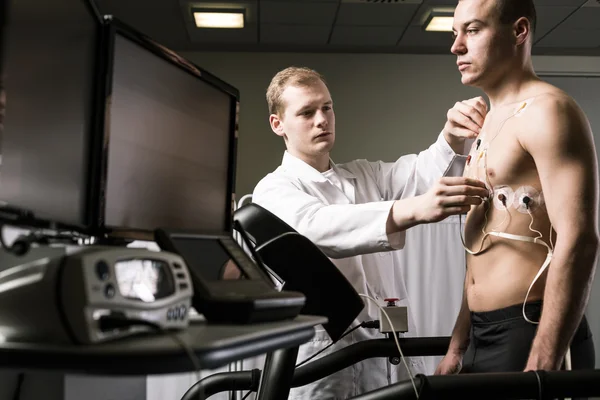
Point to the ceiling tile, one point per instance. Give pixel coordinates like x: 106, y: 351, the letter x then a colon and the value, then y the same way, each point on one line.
x: 583, y: 17
x: 160, y: 20
x: 417, y: 36
x: 294, y: 34
x: 286, y: 12
x: 376, y: 14
x: 571, y: 38
x: 365, y: 35
x: 549, y: 17
x: 249, y: 34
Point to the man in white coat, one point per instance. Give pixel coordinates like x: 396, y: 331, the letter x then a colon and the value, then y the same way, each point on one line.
x: 357, y: 212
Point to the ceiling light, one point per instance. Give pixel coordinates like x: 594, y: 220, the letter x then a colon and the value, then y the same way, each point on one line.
x: 219, y: 19
x: 439, y: 20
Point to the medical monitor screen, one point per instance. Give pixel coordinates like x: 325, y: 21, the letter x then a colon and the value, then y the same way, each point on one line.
x: 209, y: 259
x: 169, y: 140
x: 49, y: 69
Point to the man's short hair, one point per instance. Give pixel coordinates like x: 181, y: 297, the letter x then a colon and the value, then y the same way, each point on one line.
x: 511, y: 10
x: 291, y: 76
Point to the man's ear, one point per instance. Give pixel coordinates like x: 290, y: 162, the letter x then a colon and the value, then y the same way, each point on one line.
x: 522, y: 30
x: 276, y: 125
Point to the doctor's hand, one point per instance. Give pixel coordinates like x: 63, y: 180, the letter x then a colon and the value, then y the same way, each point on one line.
x: 465, y: 121
x: 450, y: 196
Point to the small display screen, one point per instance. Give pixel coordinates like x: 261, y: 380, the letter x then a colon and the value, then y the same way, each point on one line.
x: 143, y: 279
x: 208, y: 258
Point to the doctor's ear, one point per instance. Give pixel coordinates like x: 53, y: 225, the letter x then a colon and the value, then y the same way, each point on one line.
x: 276, y: 124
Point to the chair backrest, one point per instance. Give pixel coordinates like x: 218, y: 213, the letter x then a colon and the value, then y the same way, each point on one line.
x: 303, y: 267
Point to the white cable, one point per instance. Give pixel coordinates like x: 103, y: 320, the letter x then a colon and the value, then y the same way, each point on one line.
x: 396, y: 340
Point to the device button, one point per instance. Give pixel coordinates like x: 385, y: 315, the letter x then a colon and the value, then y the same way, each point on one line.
x: 102, y: 270
x: 176, y: 265
x: 109, y: 291
x: 183, y: 286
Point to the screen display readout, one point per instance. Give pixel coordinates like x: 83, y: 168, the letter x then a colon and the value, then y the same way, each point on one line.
x: 146, y: 280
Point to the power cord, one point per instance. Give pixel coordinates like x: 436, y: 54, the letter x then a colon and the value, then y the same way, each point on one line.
x: 19, y: 387
x: 395, y: 339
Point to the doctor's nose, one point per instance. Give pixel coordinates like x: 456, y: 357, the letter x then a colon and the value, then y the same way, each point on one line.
x: 320, y: 119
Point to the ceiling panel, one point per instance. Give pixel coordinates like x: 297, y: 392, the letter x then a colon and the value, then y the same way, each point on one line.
x: 159, y: 19
x: 286, y: 12
x: 571, y: 38
x: 417, y: 36
x: 295, y: 34
x: 376, y: 14
x: 564, y: 26
x: 549, y: 17
x: 580, y: 30
x: 583, y: 17
x: 249, y: 34
x: 365, y: 35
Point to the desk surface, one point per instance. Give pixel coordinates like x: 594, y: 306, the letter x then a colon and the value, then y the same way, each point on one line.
x: 213, y: 345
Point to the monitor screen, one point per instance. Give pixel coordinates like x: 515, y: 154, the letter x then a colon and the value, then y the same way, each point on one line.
x: 208, y: 257
x: 169, y: 138
x: 49, y: 67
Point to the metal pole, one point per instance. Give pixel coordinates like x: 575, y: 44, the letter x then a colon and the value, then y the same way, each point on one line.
x: 276, y: 379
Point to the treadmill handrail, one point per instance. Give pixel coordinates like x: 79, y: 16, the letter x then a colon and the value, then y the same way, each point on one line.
x: 372, y: 348
x: 498, y: 385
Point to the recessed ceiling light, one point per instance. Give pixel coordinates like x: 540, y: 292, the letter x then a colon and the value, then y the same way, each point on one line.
x: 439, y: 20
x: 219, y: 19
x: 440, y: 24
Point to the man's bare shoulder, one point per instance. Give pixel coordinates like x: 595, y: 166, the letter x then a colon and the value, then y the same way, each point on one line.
x: 554, y: 116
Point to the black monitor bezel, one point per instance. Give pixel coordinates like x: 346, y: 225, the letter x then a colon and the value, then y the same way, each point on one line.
x: 99, y: 146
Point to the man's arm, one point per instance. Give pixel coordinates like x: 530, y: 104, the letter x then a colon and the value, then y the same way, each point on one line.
x: 561, y: 144
x: 459, y: 341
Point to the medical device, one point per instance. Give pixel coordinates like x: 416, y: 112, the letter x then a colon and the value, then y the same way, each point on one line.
x: 94, y: 294
x: 229, y: 287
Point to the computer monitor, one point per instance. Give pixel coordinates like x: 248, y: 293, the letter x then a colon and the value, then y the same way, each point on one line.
x: 170, y: 138
x: 50, y: 65
x: 124, y: 138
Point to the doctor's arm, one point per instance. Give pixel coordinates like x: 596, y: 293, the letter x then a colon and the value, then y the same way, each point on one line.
x: 562, y: 146
x: 345, y: 230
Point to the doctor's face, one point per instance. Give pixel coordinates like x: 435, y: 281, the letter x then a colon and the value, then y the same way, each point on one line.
x: 308, y: 122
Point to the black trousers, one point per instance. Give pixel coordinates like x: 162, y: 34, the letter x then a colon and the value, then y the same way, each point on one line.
x: 501, y: 340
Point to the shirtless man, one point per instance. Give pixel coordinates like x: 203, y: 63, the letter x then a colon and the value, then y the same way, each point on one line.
x: 536, y: 154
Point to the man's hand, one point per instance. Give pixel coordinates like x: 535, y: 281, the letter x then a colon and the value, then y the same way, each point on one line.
x: 465, y: 121
x: 451, y: 364
x: 450, y: 196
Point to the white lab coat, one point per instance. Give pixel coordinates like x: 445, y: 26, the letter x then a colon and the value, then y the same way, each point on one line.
x: 349, y: 225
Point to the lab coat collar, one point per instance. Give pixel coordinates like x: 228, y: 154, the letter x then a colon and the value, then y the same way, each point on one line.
x: 303, y: 170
